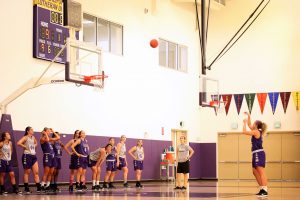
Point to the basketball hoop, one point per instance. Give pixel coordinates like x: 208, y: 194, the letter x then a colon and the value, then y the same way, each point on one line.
x: 96, y: 80
x: 218, y: 106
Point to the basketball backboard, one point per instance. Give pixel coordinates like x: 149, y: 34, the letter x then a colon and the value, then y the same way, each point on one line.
x: 83, y: 64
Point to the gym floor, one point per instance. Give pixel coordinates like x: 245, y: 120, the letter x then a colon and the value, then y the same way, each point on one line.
x: 164, y: 190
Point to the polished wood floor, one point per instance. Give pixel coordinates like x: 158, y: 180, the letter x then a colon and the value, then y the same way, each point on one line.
x: 211, y: 190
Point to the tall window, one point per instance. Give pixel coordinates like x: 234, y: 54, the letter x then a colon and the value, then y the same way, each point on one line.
x: 173, y: 55
x: 105, y: 34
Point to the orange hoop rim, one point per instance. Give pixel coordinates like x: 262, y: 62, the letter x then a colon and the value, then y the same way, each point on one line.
x: 88, y: 79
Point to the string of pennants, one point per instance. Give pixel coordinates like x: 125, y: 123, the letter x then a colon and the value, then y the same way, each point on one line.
x: 261, y: 97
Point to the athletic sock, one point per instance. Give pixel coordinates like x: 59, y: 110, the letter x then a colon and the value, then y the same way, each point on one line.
x: 97, y: 182
x: 94, y: 182
x: 265, y: 188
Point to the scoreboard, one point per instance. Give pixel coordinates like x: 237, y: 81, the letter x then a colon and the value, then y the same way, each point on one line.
x: 49, y: 34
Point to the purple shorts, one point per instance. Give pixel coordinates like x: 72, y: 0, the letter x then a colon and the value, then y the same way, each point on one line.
x: 122, y: 163
x: 258, y: 159
x: 73, y: 162
x: 82, y: 162
x: 48, y: 160
x: 111, y: 166
x: 138, y: 165
x: 5, y: 166
x: 28, y: 160
x: 57, y: 163
x: 91, y: 163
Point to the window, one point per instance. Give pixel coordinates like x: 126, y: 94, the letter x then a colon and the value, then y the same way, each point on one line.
x: 105, y: 34
x: 89, y: 28
x: 173, y: 55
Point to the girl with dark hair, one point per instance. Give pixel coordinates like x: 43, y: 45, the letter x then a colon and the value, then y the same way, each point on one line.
x: 257, y: 130
x: 29, y: 160
x: 57, y: 147
x: 48, y: 157
x: 5, y: 164
x: 81, y: 149
x: 111, y: 164
x: 137, y: 153
x: 73, y: 161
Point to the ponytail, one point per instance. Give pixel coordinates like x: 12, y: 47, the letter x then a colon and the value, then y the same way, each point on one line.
x: 26, y: 130
x: 261, y: 126
x: 3, y: 135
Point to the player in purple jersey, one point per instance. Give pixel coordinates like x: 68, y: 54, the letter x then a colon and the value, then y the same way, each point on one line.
x: 29, y: 160
x: 81, y: 149
x: 73, y: 160
x: 58, y: 146
x: 5, y: 163
x: 48, y: 157
x: 257, y: 130
x: 111, y: 164
x: 137, y: 153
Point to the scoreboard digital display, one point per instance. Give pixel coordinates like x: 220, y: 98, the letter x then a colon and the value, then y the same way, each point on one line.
x: 49, y: 34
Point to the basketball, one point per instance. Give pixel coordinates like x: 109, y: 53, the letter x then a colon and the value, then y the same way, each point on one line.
x: 154, y: 43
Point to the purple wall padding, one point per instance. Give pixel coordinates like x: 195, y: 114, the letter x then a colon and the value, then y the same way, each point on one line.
x: 203, y: 164
x: 208, y: 160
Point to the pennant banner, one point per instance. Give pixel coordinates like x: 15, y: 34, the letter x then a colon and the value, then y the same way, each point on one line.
x: 238, y: 98
x: 250, y: 100
x: 285, y: 97
x: 273, y: 97
x: 261, y: 97
x: 227, y: 98
x: 296, y: 98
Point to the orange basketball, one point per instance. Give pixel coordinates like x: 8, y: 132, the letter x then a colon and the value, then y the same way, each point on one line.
x: 154, y: 43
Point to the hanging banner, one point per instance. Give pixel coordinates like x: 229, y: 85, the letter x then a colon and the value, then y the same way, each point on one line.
x: 285, y: 97
x: 261, y: 97
x: 238, y: 98
x: 273, y: 97
x: 296, y: 98
x: 250, y: 100
x: 227, y: 98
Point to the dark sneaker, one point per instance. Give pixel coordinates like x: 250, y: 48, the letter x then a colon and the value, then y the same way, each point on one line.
x: 94, y: 188
x: 177, y: 188
x: 126, y: 185
x: 78, y: 188
x: 105, y: 186
x: 27, y: 191
x: 84, y: 187
x: 111, y: 186
x: 258, y: 192
x: 4, y: 192
x: 183, y: 188
x: 17, y: 191
x: 263, y: 193
x: 71, y: 188
x: 98, y: 187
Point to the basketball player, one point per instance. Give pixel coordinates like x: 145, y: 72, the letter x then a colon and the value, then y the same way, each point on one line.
x: 111, y: 164
x: 73, y: 160
x: 184, y: 154
x: 48, y: 157
x: 81, y: 149
x: 5, y: 163
x: 137, y: 153
x: 122, y: 162
x: 29, y: 160
x: 96, y: 159
x: 57, y: 147
x: 257, y: 130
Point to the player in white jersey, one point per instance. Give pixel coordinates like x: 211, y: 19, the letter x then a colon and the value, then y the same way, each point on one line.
x: 184, y: 154
x: 137, y: 153
x: 5, y: 163
x: 121, y: 159
x: 96, y: 159
x: 29, y: 159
